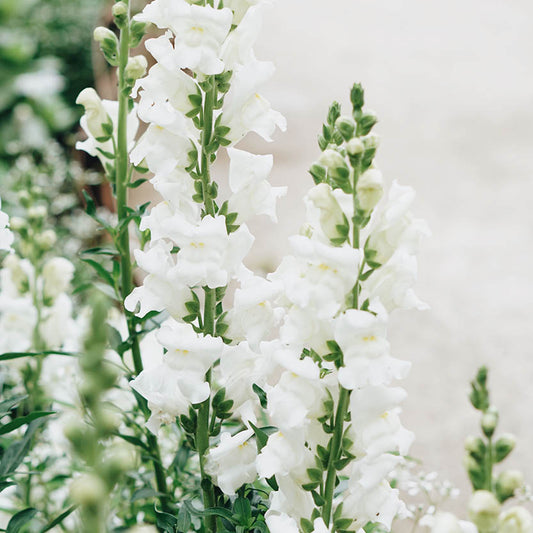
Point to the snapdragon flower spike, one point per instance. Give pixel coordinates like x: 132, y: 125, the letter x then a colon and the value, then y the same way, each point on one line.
x: 201, y: 95
x: 330, y: 390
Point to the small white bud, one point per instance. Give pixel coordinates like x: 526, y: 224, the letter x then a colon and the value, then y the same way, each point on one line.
x: 508, y: 482
x: 355, y: 146
x: 46, y: 239
x: 17, y: 223
x: 57, y: 273
x: 446, y: 523
x: 95, y: 113
x: 100, y: 34
x: 516, y: 520
x: 88, y: 490
x: 331, y: 159
x: 36, y: 212
x: 136, y: 68
x: 371, y: 141
x: 484, y: 510
x: 370, y: 189
x: 489, y: 421
x: 346, y: 125
x: 120, y: 9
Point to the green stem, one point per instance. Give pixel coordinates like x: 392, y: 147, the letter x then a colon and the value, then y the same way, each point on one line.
x: 203, y: 421
x: 334, y: 456
x: 355, y: 231
x: 488, y: 465
x: 122, y: 178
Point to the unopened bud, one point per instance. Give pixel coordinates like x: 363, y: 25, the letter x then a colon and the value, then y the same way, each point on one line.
x: 119, y: 9
x: 101, y: 34
x: 17, y: 223
x: 507, y: 483
x: 484, y: 510
x: 136, y: 68
x: 331, y: 159
x: 446, y: 523
x: 346, y: 125
x: 88, y: 490
x: 366, y: 122
x: 516, y: 520
x: 504, y: 446
x: 489, y: 421
x: 475, y: 446
x: 118, y: 461
x: 355, y: 146
x: 46, y: 239
x: 371, y: 141
x: 370, y: 189
x: 37, y: 212
x: 24, y: 198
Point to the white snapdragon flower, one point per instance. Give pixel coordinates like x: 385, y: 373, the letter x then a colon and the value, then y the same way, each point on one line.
x: 253, y: 314
x: 281, y: 523
x: 252, y: 194
x: 323, y: 206
x: 161, y: 288
x: 291, y: 499
x: 232, y: 462
x: 57, y: 274
x: 208, y: 255
x: 57, y: 324
x: 394, y: 226
x: 199, y: 32
x: 99, y: 112
x: 242, y: 8
x: 6, y: 236
x: 18, y: 317
x: 443, y: 522
x: 318, y: 276
x: 245, y: 109
x: 162, y: 150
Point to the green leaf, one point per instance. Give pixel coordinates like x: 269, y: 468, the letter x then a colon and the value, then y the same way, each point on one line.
x: 14, y: 424
x: 166, y: 522
x: 17, y: 355
x: 183, y: 523
x: 262, y: 395
x: 56, y: 521
x: 101, y: 271
x: 262, y: 434
x: 20, y: 519
x: 8, y: 404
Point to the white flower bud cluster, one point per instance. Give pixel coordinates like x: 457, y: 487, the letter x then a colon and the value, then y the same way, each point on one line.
x: 6, y: 237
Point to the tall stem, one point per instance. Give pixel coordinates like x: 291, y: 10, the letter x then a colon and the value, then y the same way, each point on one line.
x: 123, y: 242
x: 203, y: 421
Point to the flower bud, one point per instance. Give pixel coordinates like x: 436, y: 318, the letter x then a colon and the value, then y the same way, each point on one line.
x: 17, y: 223
x: 19, y: 277
x: 346, y: 125
x: 371, y: 141
x: 331, y: 159
x: 36, y: 212
x: 88, y: 490
x: 355, y: 146
x: 370, y: 189
x: 120, y: 13
x: 489, y: 421
x: 367, y: 122
x: 118, y: 461
x: 475, y: 446
x: 46, y: 239
x: 507, y: 483
x: 331, y: 214
x: 95, y: 113
x: 136, y: 68
x: 24, y: 198
x: 484, y: 510
x: 101, y: 34
x: 516, y: 520
x: 504, y: 446
x: 446, y: 523
x: 57, y: 274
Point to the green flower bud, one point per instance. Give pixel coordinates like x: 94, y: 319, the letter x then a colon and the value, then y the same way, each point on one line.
x: 489, y: 421
x: 18, y: 275
x: 17, y: 223
x: 346, y: 125
x: 120, y: 13
x: 504, y: 446
x: 108, y: 44
x: 24, y: 198
x: 331, y: 159
x: 516, y: 520
x: 108, y: 421
x: 120, y: 459
x: 355, y: 146
x: 484, y: 510
x: 475, y: 447
x: 366, y: 122
x: 332, y: 219
x: 371, y: 141
x: 88, y: 490
x: 507, y: 483
x: 369, y: 189
x: 101, y: 34
x: 136, y: 68
x: 357, y: 96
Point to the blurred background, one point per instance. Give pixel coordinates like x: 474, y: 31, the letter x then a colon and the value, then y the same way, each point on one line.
x: 452, y: 83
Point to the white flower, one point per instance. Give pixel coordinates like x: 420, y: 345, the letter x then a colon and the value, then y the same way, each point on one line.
x: 199, y: 32
x: 252, y: 194
x: 280, y: 523
x: 516, y: 520
x: 245, y: 109
x: 6, y: 237
x: 329, y: 213
x: 95, y: 113
x: 57, y: 324
x: 232, y: 462
x: 18, y: 317
x: 369, y: 189
x: 57, y: 274
x: 318, y: 276
x: 242, y: 8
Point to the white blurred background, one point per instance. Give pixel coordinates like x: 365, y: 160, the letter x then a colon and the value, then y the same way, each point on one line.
x: 452, y: 83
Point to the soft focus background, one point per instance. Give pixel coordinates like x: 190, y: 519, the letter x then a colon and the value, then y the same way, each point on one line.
x: 452, y: 83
